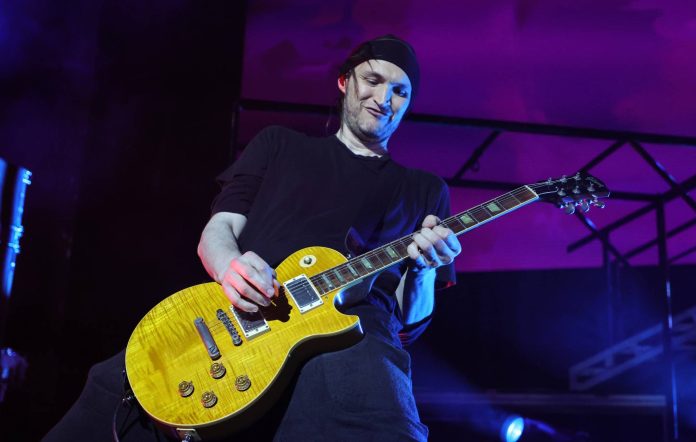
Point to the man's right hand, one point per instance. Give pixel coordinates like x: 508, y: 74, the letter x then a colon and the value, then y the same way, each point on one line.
x: 249, y: 282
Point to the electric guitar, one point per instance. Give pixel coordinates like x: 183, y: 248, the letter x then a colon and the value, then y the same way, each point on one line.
x: 203, y: 369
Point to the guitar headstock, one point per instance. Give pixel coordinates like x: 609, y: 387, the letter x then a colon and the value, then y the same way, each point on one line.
x: 581, y: 190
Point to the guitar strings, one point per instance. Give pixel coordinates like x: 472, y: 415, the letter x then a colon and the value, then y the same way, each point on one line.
x: 318, y: 279
x: 511, y: 196
x: 409, y: 238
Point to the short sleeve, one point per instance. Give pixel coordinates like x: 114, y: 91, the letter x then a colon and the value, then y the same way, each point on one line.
x: 242, y: 180
x: 409, y: 333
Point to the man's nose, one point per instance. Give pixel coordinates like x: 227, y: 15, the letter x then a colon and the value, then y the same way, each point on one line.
x: 383, y: 96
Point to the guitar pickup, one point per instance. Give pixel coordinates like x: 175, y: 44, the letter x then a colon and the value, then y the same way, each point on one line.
x: 303, y: 292
x: 253, y: 323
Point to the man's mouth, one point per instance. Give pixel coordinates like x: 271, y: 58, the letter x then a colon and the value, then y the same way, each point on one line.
x: 376, y: 112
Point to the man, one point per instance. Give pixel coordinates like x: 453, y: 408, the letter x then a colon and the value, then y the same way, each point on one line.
x: 288, y: 191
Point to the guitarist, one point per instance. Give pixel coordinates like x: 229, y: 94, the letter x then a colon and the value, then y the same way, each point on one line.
x: 289, y: 191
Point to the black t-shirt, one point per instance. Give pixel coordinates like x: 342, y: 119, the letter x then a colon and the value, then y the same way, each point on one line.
x: 299, y: 191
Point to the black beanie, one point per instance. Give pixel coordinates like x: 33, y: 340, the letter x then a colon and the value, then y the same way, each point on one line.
x: 388, y: 48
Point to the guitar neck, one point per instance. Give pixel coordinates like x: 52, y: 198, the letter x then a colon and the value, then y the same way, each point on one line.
x: 389, y: 254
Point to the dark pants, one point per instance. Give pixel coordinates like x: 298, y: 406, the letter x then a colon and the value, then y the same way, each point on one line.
x: 362, y: 393
x: 90, y: 417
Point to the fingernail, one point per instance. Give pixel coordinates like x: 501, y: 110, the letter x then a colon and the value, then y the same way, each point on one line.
x: 270, y: 292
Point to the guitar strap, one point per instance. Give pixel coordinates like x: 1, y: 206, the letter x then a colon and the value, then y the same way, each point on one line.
x: 367, y: 225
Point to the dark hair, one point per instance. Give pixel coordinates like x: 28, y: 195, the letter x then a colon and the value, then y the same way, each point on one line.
x: 389, y: 48
x: 341, y: 98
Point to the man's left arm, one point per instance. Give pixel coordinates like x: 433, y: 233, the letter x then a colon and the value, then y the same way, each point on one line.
x: 433, y: 246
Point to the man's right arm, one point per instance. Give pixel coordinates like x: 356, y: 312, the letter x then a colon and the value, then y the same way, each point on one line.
x: 244, y: 277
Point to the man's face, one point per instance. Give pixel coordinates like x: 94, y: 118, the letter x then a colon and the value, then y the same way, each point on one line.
x: 376, y: 98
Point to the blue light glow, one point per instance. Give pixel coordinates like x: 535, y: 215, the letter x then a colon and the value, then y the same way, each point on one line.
x: 512, y: 429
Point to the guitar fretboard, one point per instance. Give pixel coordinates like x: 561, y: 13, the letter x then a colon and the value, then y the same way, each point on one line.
x: 389, y: 254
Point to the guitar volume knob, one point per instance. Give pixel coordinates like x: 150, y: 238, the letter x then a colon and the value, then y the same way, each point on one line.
x: 242, y: 383
x: 185, y: 388
x: 208, y: 399
x: 217, y: 370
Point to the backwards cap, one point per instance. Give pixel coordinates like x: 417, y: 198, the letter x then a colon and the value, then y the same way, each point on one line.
x: 388, y: 48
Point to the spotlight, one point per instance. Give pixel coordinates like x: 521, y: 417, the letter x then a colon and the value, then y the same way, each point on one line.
x: 537, y: 431
x: 512, y: 429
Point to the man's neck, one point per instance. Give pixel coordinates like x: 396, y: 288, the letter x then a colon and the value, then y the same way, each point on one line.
x: 359, y: 147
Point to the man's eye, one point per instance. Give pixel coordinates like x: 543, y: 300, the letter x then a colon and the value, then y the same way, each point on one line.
x: 371, y: 81
x: 401, y: 92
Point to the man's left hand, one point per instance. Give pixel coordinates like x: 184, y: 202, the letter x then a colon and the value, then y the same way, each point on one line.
x: 433, y: 246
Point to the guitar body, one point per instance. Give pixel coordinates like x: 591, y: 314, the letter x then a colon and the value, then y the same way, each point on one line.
x: 166, y: 348
x: 202, y: 370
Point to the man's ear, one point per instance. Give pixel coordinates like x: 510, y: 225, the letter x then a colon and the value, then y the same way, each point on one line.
x: 342, y: 83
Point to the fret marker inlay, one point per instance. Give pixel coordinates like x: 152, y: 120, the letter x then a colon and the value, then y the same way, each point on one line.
x: 493, y: 207
x: 382, y: 257
x: 327, y: 281
x: 466, y: 219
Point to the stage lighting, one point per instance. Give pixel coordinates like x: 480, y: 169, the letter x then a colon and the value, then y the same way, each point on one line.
x: 537, y: 431
x: 512, y: 429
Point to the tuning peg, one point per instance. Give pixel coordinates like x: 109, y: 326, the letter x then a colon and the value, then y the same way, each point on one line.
x: 576, y: 190
x: 591, y: 187
x: 561, y: 192
x: 569, y: 208
x: 563, y: 179
x: 584, y: 206
x: 598, y: 203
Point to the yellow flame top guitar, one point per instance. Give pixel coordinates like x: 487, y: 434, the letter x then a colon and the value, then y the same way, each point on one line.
x: 203, y: 369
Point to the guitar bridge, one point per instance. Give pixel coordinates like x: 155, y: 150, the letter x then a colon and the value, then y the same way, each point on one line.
x: 303, y: 292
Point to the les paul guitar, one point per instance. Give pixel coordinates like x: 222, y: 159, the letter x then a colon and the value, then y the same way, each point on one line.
x: 203, y: 369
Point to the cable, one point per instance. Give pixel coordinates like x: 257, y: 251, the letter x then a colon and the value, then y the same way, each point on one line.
x: 125, y: 402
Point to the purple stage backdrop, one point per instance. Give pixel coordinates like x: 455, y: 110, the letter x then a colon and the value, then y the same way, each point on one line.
x: 617, y: 65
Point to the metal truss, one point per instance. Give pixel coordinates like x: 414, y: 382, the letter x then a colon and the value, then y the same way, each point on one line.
x: 457, y: 406
x: 634, y: 350
x: 494, y: 125
x: 640, y: 348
